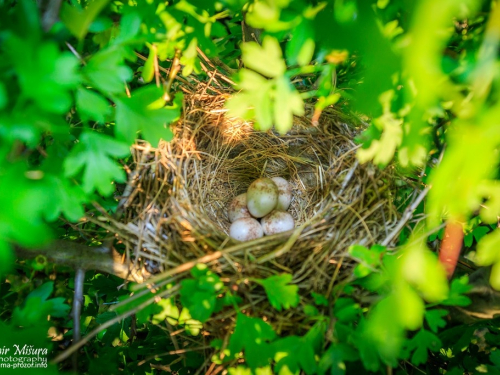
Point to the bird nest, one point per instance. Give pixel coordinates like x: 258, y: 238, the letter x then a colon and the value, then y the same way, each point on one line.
x: 175, y: 206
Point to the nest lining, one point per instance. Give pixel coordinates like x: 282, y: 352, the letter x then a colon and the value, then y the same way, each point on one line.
x: 176, y: 209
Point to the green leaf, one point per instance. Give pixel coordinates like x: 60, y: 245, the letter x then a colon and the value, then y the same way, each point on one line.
x: 288, y: 102
x: 37, y: 307
x: 334, y: 359
x: 192, y: 326
x: 346, y: 310
x: 106, y: 70
x: 199, y: 295
x: 458, y: 288
x: 422, y: 269
x: 280, y: 294
x: 382, y: 150
x: 92, y: 106
x: 169, y: 311
x: 435, y: 319
x: 45, y: 74
x: 78, y: 21
x: 252, y: 336
x: 189, y: 58
x: 300, y: 49
x: 319, y: 299
x: 293, y: 354
x: 480, y: 232
x: 369, y: 260
x: 95, y: 154
x: 421, y: 343
x: 20, y: 195
x: 146, y: 111
x: 266, y: 59
x: 495, y: 358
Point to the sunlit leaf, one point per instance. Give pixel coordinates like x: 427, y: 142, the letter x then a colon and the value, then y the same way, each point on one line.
x: 145, y: 111
x: 95, y: 154
x: 252, y: 336
x: 281, y: 294
x: 266, y: 59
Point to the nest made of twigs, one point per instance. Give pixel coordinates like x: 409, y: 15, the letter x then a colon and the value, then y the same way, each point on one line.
x: 178, y: 193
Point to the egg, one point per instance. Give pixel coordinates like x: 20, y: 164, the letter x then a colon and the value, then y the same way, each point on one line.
x: 277, y: 222
x: 284, y: 193
x: 238, y: 208
x: 262, y: 197
x: 245, y: 229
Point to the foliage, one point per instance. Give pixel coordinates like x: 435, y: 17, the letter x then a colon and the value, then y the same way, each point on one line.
x: 77, y: 92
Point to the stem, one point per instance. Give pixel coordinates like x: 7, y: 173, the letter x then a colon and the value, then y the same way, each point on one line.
x: 77, y: 308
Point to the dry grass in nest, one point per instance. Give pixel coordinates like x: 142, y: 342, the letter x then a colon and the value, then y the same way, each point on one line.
x: 178, y: 193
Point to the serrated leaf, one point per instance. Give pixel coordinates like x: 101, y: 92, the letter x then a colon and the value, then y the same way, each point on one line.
x: 37, y: 306
x: 458, y: 288
x: 293, y: 354
x: 106, y: 70
x: 422, y: 342
x: 435, y: 319
x: 92, y: 105
x: 288, y: 102
x: 199, y: 295
x: 145, y: 111
x: 382, y: 150
x: 95, y: 154
x: 68, y: 199
x: 46, y: 75
x: 281, y: 295
x: 266, y: 59
x: 252, y: 336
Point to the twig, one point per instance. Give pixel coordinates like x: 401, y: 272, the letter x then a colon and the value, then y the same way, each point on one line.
x: 406, y: 216
x: 77, y: 307
x: 111, y: 322
x: 75, y: 52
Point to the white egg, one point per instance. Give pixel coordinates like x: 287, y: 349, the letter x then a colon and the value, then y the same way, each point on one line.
x: 284, y: 193
x: 277, y: 222
x: 262, y: 197
x: 245, y: 229
x: 238, y: 208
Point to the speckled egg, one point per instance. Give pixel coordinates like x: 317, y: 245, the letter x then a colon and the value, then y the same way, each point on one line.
x: 277, y: 222
x: 262, y: 197
x: 284, y: 193
x: 245, y: 229
x: 238, y: 208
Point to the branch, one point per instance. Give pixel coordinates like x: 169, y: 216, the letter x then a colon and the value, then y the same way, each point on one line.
x: 407, y: 215
x: 84, y: 257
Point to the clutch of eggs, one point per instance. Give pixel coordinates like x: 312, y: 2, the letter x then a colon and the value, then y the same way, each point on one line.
x: 266, y: 198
